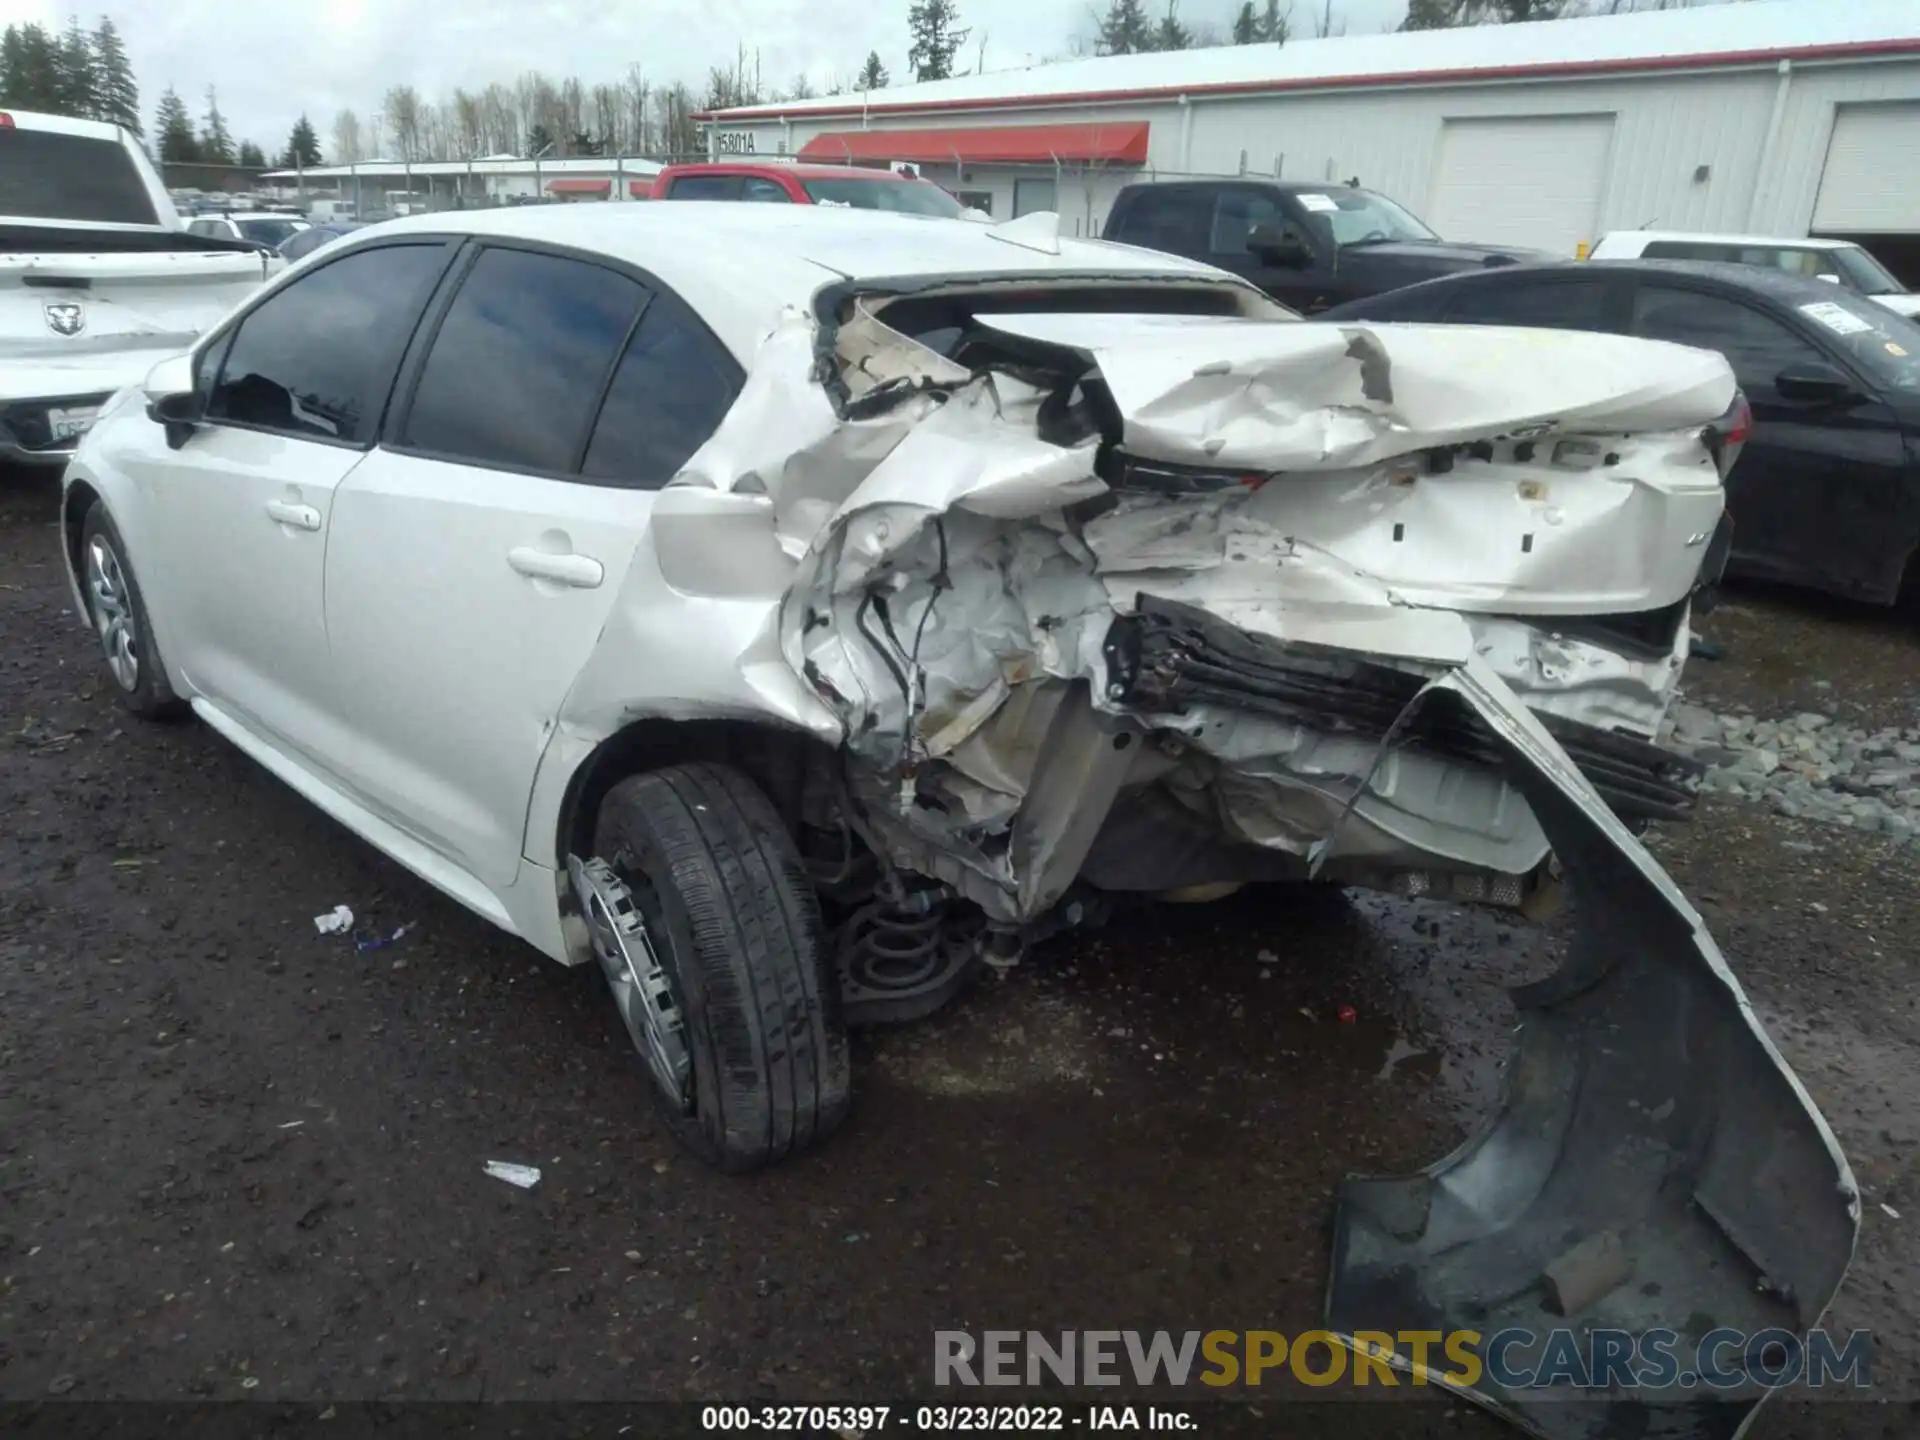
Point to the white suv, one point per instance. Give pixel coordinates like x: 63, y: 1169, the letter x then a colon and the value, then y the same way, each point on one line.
x: 1840, y: 262
x: 798, y: 611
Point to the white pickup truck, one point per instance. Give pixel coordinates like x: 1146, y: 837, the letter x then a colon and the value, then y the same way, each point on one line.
x: 98, y: 280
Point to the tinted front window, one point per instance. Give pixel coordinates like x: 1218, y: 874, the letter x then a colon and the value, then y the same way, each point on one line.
x: 71, y: 177
x: 1755, y: 344
x: 1236, y: 214
x: 673, y: 387
x: 902, y: 197
x: 315, y: 357
x: 764, y: 192
x: 1885, y: 345
x: 268, y: 232
x: 520, y: 361
x: 704, y: 187
x: 1544, y: 304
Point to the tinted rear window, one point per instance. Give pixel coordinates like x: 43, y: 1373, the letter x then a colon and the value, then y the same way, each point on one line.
x: 47, y: 176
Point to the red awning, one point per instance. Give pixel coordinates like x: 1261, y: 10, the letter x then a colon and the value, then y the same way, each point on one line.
x: 1124, y: 143
x: 579, y: 187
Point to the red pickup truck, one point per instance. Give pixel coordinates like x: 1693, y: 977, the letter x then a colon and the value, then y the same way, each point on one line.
x: 852, y: 186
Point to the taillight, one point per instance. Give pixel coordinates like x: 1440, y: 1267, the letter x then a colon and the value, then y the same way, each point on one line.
x: 1728, y: 435
x: 6, y: 121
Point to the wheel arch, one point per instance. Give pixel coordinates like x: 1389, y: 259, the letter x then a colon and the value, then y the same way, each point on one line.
x: 74, y: 504
x: 775, y: 757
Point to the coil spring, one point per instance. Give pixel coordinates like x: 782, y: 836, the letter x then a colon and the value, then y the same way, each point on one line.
x: 896, y: 944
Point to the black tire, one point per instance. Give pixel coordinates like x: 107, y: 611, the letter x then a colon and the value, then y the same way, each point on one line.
x: 735, y: 923
x: 148, y: 695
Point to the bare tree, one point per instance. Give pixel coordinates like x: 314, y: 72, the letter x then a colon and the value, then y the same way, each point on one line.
x: 607, y: 119
x: 466, y: 124
x: 1324, y: 25
x: 572, y: 116
x: 680, y: 135
x: 401, y: 112
x: 639, y: 97
x: 499, y: 120
x: 347, y: 140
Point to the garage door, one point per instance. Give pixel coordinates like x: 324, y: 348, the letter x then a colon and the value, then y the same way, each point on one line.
x: 1868, y: 187
x: 1522, y: 180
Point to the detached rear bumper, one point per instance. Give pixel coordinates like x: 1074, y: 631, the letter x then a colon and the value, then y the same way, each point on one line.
x: 1648, y: 1115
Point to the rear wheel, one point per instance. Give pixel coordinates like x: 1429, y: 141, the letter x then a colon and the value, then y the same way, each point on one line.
x: 119, y: 617
x: 723, y: 982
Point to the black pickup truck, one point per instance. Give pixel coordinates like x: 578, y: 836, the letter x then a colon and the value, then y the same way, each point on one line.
x: 1310, y: 246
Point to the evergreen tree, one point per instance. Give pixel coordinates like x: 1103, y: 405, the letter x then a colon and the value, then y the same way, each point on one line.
x: 118, y: 96
x: 538, y: 138
x: 216, y: 145
x: 1126, y: 29
x: 935, y: 40
x: 1170, y: 34
x: 252, y: 155
x: 303, y: 146
x: 1431, y: 15
x: 873, y: 75
x: 173, y: 128
x: 1246, y: 25
x: 75, y: 86
x: 29, y: 69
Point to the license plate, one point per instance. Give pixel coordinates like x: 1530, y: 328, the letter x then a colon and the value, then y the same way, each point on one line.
x: 73, y: 422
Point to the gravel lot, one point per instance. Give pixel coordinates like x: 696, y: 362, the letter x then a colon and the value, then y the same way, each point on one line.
x: 240, y: 1159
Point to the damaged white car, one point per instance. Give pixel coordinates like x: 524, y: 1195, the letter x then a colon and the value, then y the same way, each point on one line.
x: 797, y: 611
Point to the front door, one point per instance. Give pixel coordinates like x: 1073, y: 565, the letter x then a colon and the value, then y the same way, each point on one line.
x: 1812, y: 492
x: 241, y: 510
x: 476, y: 556
x: 1239, y: 211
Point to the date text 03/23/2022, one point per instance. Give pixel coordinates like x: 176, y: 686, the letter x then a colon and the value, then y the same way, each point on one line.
x: 855, y: 1420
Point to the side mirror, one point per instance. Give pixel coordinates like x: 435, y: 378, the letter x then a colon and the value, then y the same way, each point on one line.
x: 1814, y: 383
x: 1280, y: 247
x: 172, y: 400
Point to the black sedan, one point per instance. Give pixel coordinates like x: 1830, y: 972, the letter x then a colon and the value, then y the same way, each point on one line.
x: 304, y: 242
x: 1827, y: 492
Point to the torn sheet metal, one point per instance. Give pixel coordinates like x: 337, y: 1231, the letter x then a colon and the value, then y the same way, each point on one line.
x: 1648, y: 1116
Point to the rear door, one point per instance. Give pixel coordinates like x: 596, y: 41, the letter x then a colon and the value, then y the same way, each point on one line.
x: 477, y: 553
x: 1810, y: 492
x: 294, y: 394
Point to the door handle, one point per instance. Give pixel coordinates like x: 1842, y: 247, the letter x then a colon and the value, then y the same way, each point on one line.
x: 583, y: 572
x: 301, y: 517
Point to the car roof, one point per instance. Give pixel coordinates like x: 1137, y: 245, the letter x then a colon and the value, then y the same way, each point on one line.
x: 1782, y: 241
x: 777, y: 167
x: 739, y: 266
x: 1779, y: 285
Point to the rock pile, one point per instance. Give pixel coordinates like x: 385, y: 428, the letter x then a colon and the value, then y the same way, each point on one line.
x: 1808, y: 766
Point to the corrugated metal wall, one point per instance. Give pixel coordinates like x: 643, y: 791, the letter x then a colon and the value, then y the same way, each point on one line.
x: 1666, y: 128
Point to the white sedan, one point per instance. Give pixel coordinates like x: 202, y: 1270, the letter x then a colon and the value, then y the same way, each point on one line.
x: 798, y: 610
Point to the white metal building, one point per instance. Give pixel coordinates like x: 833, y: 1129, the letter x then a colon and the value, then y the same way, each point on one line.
x: 1780, y: 116
x: 490, y: 178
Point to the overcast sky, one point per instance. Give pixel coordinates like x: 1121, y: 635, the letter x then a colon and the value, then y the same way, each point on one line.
x: 272, y: 59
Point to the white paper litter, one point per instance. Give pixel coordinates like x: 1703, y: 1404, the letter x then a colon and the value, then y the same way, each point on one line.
x: 1892, y: 1214
x: 524, y: 1176
x: 336, y: 921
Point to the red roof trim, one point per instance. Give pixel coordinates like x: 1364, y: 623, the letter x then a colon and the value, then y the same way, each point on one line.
x: 577, y: 185
x: 1124, y: 142
x: 1860, y: 50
